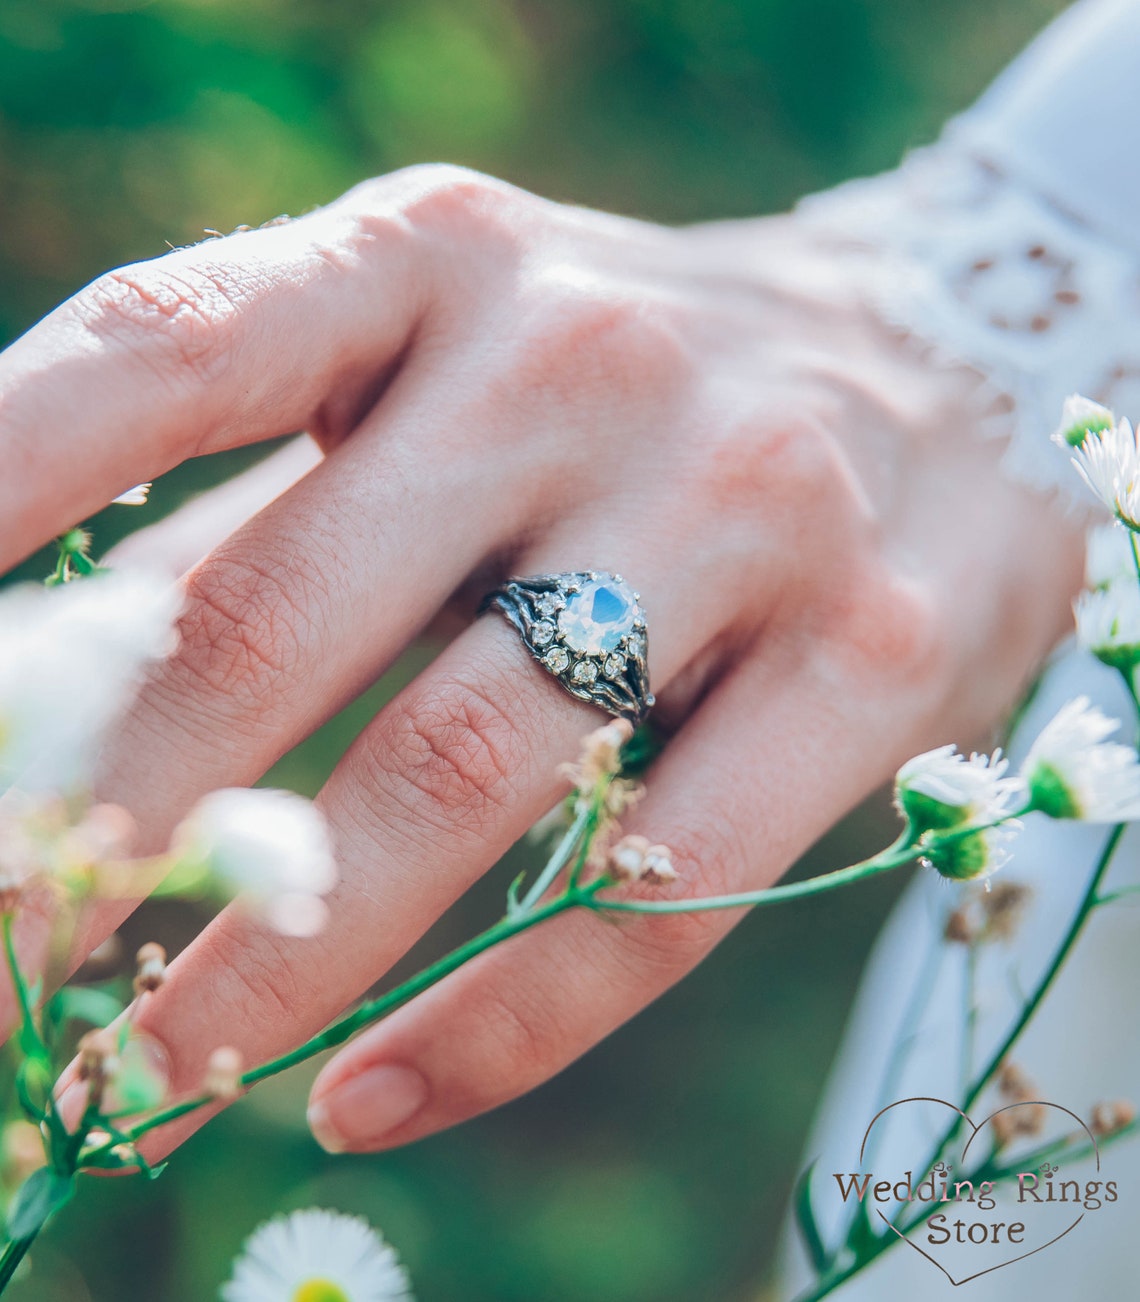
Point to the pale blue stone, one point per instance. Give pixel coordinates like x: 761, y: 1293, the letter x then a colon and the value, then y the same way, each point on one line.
x: 598, y: 616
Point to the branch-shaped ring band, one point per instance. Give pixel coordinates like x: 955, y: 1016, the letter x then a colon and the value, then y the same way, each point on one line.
x: 587, y: 629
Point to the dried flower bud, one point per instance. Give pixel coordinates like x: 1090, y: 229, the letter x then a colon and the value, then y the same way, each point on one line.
x: 1020, y: 1118
x: 1004, y: 907
x: 1108, y: 1118
x: 633, y: 859
x: 1013, y: 1083
x: 600, y: 756
x: 151, y: 968
x: 223, y: 1074
x: 622, y: 794
x: 658, y: 866
x: 98, y: 1061
x: 961, y: 927
x: 627, y: 858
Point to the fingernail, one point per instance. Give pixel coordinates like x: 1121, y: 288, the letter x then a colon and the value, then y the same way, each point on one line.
x: 363, y: 1110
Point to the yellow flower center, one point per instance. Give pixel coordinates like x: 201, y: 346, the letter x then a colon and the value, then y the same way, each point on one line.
x: 320, y: 1290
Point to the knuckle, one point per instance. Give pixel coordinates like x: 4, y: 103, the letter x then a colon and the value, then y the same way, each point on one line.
x: 608, y: 345
x: 178, y: 316
x: 457, y: 751
x: 263, y: 981
x: 888, y: 629
x: 780, y: 463
x: 435, y: 195
x: 522, y: 1037
x: 242, y: 628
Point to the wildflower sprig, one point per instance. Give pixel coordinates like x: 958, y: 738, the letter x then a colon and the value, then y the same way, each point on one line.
x: 958, y: 813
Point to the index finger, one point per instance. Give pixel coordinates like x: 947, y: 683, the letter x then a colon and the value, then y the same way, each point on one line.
x: 224, y: 343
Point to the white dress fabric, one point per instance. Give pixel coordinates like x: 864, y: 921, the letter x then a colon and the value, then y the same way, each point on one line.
x: 1011, y: 245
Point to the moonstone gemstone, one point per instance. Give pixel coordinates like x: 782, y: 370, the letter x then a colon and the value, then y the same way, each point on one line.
x: 598, y: 616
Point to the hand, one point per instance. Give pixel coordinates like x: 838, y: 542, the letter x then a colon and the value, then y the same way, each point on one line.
x: 836, y: 575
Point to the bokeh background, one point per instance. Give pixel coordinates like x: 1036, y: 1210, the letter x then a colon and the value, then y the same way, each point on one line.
x: 657, y: 1168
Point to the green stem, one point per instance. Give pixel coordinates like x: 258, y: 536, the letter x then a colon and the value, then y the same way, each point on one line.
x: 23, y: 998
x: 830, y: 1282
x: 1029, y: 1009
x: 558, y: 860
x: 15, y: 1252
x: 1135, y: 551
x: 375, y: 1009
x: 893, y: 858
x: 970, y: 1020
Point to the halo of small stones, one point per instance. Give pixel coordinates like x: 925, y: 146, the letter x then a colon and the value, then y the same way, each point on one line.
x: 617, y: 681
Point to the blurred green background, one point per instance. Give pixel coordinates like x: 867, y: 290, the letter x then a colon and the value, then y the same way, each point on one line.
x: 657, y: 1168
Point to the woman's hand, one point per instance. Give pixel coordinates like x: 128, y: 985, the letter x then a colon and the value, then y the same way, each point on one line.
x: 834, y: 570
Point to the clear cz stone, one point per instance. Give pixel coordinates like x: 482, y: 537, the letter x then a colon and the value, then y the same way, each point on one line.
x: 585, y: 671
x: 547, y: 603
x: 635, y: 645
x: 597, y: 617
x: 556, y: 659
x: 614, y: 666
x: 542, y: 633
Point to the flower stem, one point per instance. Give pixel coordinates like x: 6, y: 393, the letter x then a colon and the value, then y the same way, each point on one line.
x: 376, y: 1009
x: 23, y: 998
x: 828, y: 1283
x: 1029, y: 1008
x: 892, y: 858
x: 15, y: 1252
x: 558, y: 860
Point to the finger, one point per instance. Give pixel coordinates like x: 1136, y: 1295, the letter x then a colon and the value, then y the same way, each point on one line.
x: 177, y: 543
x: 435, y: 790
x: 752, y: 781
x: 225, y: 343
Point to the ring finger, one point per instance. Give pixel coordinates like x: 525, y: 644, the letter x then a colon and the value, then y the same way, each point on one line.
x: 435, y: 790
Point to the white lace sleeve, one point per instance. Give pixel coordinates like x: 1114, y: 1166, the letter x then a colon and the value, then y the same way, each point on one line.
x: 1012, y: 245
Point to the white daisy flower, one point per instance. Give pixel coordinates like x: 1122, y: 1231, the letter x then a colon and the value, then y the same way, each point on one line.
x: 136, y: 496
x: 1081, y: 417
x: 272, y: 849
x: 71, y: 658
x: 1108, y: 623
x: 1108, y: 556
x: 942, y: 789
x: 975, y: 856
x: 1109, y: 463
x: 317, y: 1256
x: 1072, y: 771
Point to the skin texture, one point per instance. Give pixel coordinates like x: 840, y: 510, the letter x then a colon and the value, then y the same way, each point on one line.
x: 835, y: 572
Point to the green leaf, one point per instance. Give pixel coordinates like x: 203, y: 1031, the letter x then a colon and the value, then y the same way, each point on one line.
x: 33, y: 1087
x: 91, y: 1004
x: 45, y: 1191
x: 805, y: 1222
x: 513, y: 895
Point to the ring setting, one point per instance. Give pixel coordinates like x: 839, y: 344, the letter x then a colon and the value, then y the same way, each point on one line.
x: 587, y: 628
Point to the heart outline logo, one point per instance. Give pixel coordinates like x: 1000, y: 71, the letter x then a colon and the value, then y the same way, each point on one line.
x: 975, y: 1129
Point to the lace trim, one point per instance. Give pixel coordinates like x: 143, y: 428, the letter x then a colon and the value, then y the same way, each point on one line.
x: 974, y: 269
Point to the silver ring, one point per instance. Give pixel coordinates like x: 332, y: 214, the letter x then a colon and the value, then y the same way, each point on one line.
x: 587, y: 629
